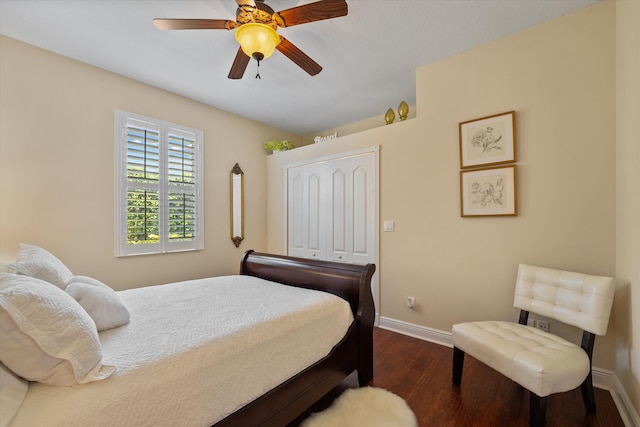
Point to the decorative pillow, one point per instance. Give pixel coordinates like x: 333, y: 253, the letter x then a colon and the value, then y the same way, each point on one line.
x: 36, y: 262
x: 101, y: 302
x: 46, y: 335
x: 13, y: 389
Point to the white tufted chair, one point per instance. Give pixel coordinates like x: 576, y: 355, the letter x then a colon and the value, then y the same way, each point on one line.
x: 539, y: 361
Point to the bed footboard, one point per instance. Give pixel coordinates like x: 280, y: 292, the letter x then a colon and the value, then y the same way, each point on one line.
x: 351, y: 282
x: 355, y: 352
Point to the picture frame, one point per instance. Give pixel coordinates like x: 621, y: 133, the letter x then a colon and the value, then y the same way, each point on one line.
x: 489, y: 192
x: 488, y: 140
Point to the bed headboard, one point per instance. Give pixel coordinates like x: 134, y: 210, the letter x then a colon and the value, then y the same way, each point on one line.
x: 351, y: 282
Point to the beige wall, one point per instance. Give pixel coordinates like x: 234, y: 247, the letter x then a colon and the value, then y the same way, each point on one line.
x: 57, y: 168
x: 577, y: 210
x: 560, y: 79
x: 627, y: 321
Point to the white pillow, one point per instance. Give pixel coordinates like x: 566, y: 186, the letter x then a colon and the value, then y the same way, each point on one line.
x: 101, y: 302
x: 13, y: 389
x: 46, y: 335
x: 36, y: 262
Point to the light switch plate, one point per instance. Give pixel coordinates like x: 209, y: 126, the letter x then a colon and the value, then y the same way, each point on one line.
x: 388, y: 226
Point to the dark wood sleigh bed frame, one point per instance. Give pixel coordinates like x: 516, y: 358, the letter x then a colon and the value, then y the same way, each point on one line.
x: 286, y: 402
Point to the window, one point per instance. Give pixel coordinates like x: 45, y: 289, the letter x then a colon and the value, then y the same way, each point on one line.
x: 159, y: 205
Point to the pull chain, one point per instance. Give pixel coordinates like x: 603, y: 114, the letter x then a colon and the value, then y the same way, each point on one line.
x: 258, y: 56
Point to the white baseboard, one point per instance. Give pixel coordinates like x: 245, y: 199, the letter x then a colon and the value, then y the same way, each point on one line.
x: 422, y: 332
x: 602, y: 378
x: 622, y: 401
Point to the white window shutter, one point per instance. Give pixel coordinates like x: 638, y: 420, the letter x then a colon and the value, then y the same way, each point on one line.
x: 159, y: 206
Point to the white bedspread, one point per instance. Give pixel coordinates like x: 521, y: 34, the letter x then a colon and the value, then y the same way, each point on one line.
x: 194, y: 352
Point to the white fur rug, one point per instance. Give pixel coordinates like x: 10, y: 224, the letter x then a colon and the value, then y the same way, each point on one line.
x: 364, y: 407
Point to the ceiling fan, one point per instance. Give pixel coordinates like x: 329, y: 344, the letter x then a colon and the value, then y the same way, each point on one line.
x: 256, y: 24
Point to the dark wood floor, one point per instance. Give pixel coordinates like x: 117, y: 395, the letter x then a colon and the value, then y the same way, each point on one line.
x: 420, y: 372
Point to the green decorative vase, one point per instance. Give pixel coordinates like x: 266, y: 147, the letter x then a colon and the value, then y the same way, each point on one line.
x: 390, y: 116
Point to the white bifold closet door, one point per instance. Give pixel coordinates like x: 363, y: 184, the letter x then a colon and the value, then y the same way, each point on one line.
x: 332, y: 208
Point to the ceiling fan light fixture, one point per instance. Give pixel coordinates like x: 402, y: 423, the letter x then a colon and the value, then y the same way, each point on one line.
x: 257, y: 39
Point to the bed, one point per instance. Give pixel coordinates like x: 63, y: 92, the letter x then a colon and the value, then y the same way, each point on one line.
x: 351, y: 282
x: 187, y: 381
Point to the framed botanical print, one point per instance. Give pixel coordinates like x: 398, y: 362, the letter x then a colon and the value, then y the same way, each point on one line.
x: 488, y: 192
x: 488, y: 140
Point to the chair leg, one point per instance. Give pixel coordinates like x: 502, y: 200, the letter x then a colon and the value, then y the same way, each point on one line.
x: 537, y: 410
x: 458, y: 361
x: 587, y: 394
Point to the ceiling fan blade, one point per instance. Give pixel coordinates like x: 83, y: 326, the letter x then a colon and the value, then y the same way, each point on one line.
x: 239, y: 65
x: 289, y: 50
x: 193, y: 24
x: 323, y: 9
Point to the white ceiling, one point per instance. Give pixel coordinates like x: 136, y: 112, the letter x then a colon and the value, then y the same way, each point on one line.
x: 369, y: 57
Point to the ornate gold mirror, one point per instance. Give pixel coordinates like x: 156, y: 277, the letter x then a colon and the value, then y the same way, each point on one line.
x: 237, y: 205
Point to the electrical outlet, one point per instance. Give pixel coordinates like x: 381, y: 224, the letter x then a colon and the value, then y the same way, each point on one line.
x: 543, y: 325
x: 411, y: 302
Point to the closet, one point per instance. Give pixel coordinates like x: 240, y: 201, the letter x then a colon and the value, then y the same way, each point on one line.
x: 332, y: 209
